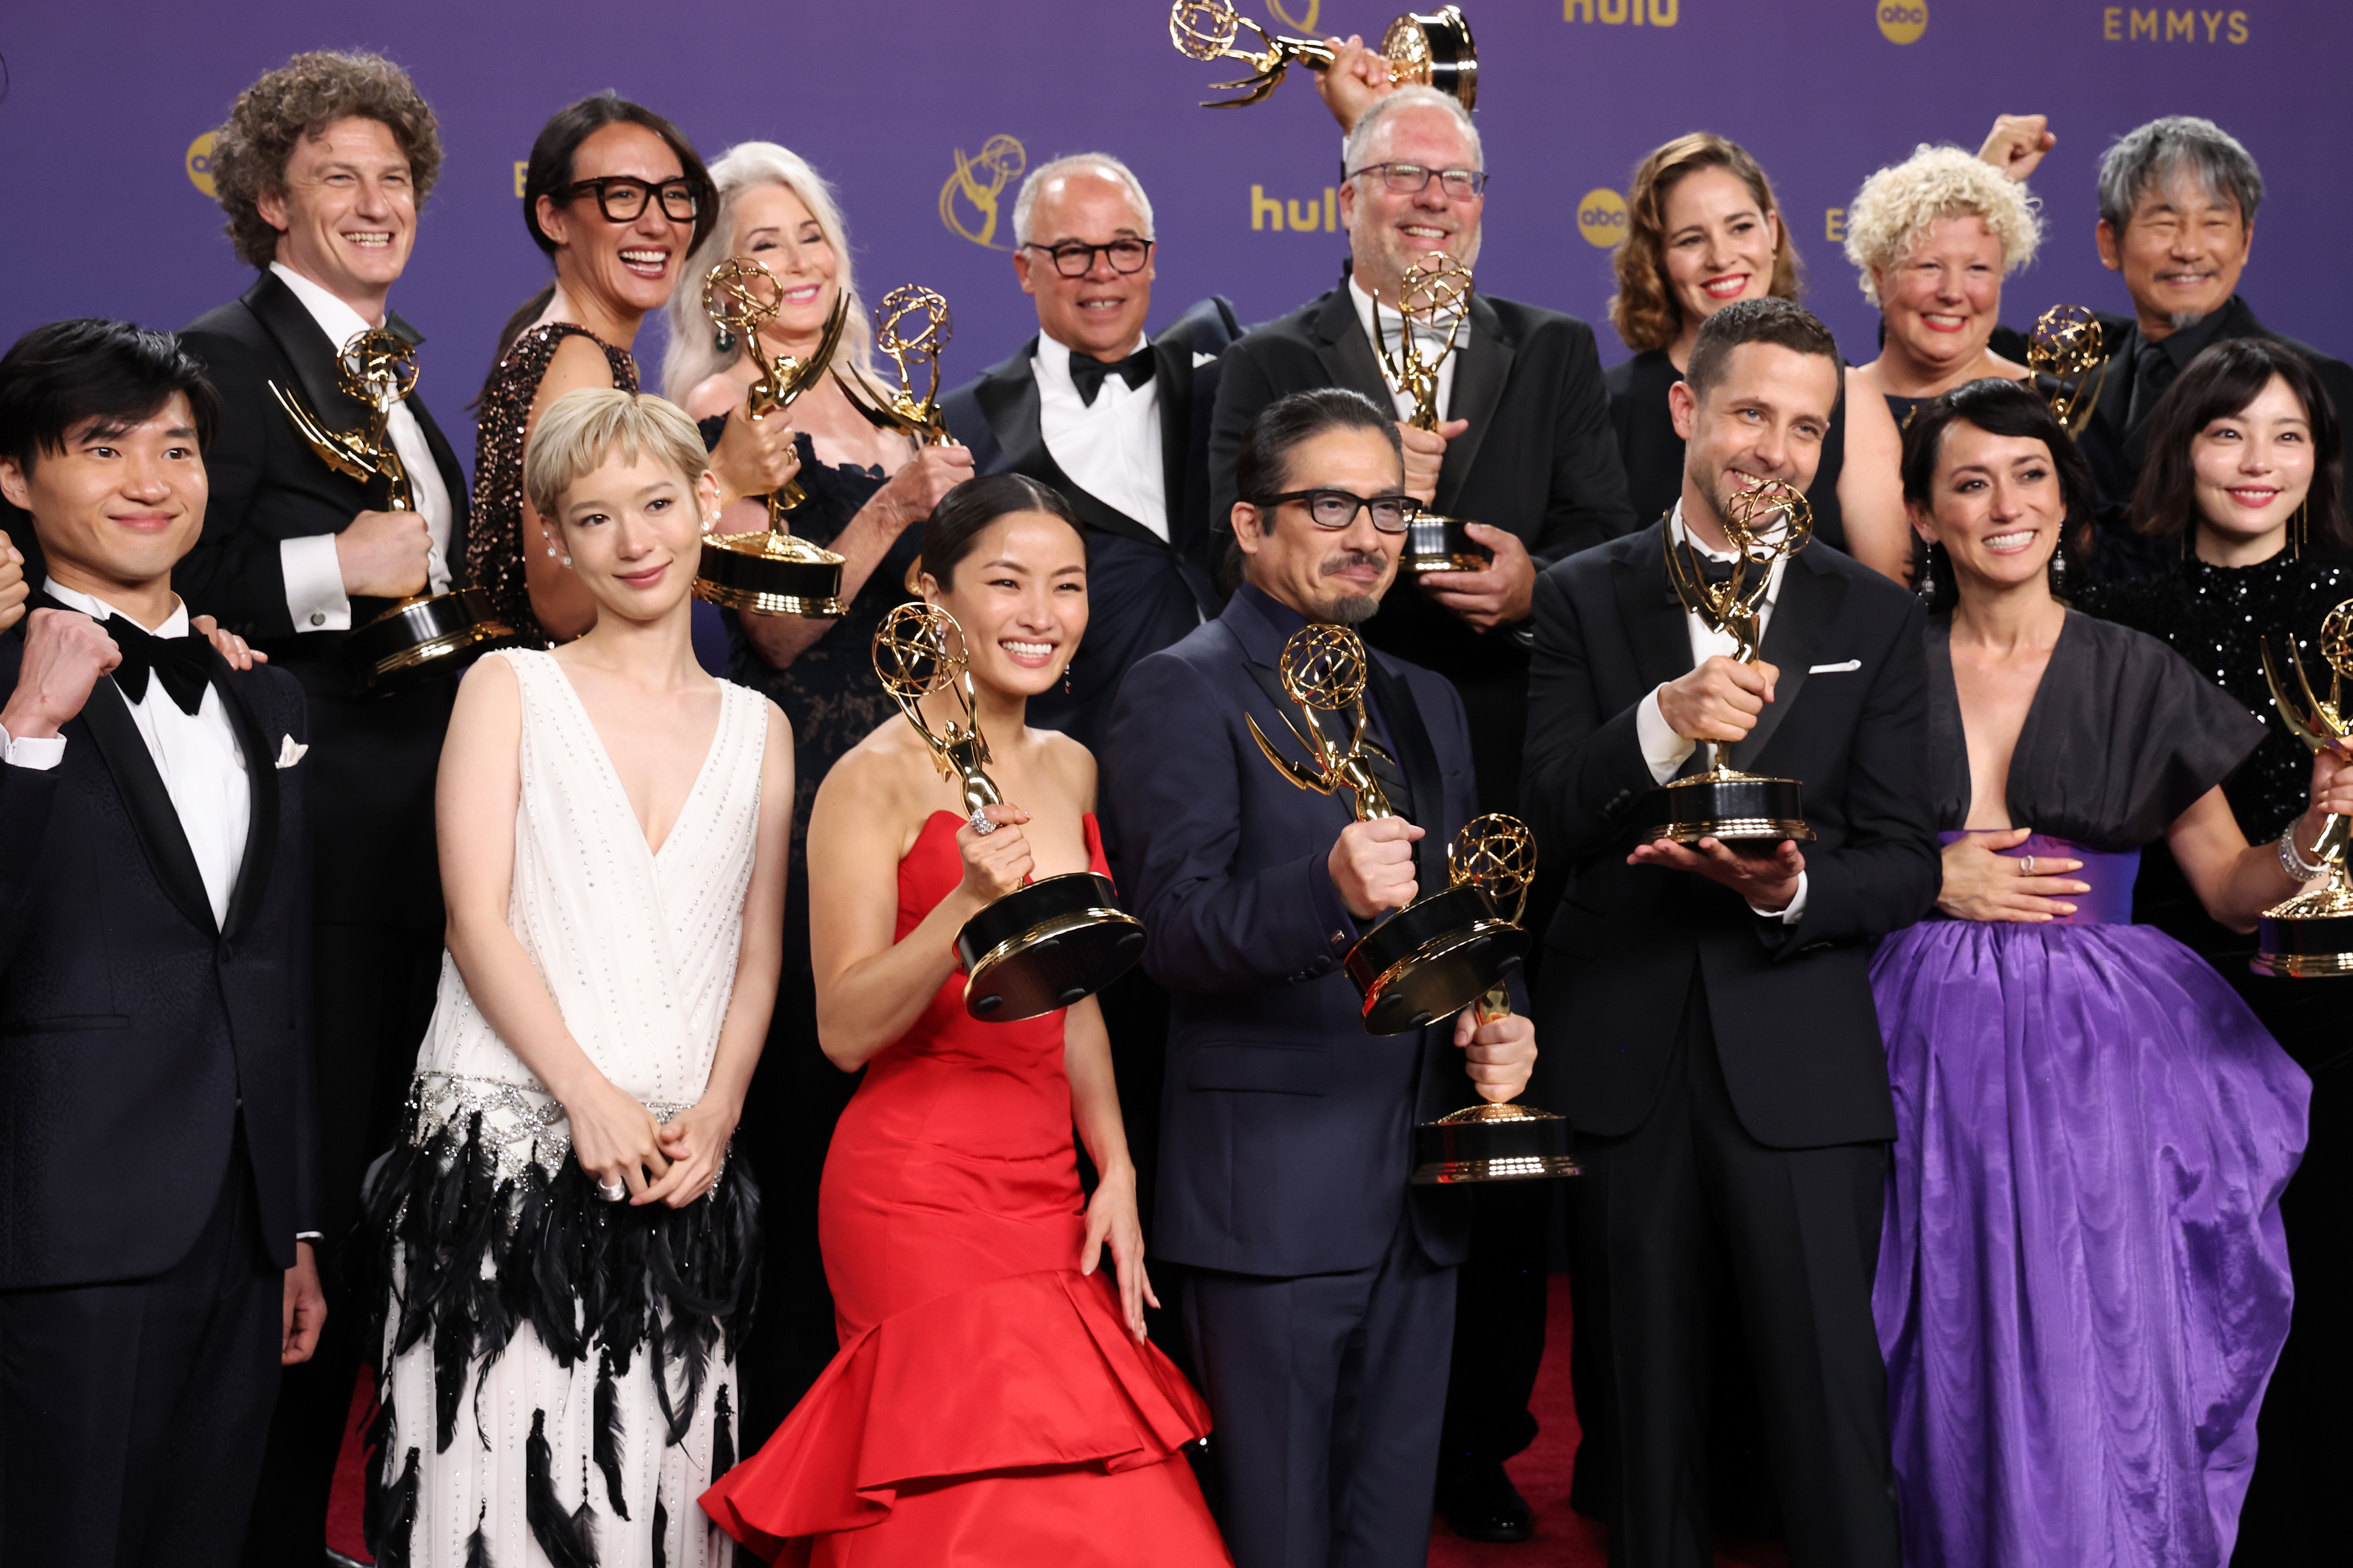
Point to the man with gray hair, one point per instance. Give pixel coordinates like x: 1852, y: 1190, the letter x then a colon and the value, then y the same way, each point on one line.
x: 1524, y: 451
x: 2177, y: 201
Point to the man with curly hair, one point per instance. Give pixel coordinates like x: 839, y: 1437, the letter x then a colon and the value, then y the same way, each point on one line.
x: 321, y: 168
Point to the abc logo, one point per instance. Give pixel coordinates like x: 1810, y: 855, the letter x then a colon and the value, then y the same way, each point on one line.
x: 1601, y: 217
x: 1903, y: 20
x: 200, y: 164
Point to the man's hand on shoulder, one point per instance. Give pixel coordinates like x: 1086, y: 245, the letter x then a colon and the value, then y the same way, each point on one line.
x: 384, y: 554
x: 66, y: 652
x: 1768, y: 881
x: 1719, y: 700
x: 1501, y: 594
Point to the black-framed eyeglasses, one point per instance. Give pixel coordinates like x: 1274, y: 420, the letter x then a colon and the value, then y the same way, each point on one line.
x: 1412, y: 179
x: 622, y: 199
x: 1337, y: 509
x: 1075, y: 259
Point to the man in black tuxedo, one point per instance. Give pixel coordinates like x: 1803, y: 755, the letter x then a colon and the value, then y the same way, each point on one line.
x: 1117, y: 422
x: 321, y: 168
x: 2177, y: 201
x: 155, y: 1027
x: 1715, y: 1040
x: 1319, y: 1288
x: 1527, y: 452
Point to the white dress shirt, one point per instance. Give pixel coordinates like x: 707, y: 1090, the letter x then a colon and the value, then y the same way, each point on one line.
x: 1109, y: 448
x: 202, y: 765
x: 1665, y: 751
x: 314, y: 577
x: 1370, y: 311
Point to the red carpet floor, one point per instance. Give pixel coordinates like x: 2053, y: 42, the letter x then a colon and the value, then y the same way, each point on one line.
x: 1564, y: 1538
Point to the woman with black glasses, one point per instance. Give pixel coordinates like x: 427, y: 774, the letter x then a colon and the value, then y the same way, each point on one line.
x: 616, y: 196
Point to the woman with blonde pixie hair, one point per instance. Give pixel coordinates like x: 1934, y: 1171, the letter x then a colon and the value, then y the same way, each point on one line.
x: 1703, y: 229
x: 566, y: 1252
x: 1933, y: 237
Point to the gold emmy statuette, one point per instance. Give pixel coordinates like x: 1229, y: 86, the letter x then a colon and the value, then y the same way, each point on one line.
x: 425, y: 634
x: 1435, y: 956
x: 769, y: 572
x: 911, y: 325
x: 1749, y: 815
x: 1047, y: 944
x: 2066, y: 346
x: 1487, y: 1141
x: 1423, y: 48
x: 1435, y: 289
x: 2312, y: 933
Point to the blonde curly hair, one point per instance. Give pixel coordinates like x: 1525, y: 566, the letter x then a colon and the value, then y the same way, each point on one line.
x: 1897, y: 206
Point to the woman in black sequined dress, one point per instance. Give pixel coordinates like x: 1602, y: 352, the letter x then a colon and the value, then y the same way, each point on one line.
x: 2245, y: 470
x: 869, y: 491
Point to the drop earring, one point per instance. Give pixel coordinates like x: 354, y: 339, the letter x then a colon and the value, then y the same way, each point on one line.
x: 1926, y: 588
x: 725, y: 341
x: 2059, y: 571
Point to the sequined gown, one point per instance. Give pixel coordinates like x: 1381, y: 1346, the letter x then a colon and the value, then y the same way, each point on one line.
x: 553, y: 1365
x: 2083, y: 1281
x: 2214, y: 618
x: 494, y: 540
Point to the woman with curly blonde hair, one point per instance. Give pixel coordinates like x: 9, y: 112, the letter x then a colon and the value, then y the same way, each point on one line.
x: 1703, y: 229
x: 1932, y: 238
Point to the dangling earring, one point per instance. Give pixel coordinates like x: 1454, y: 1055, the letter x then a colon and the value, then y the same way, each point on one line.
x: 2059, y: 569
x: 2297, y: 528
x: 1926, y: 588
x: 1066, y: 674
x: 725, y: 341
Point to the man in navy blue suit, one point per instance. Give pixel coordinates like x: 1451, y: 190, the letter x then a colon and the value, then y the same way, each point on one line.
x: 1319, y: 1284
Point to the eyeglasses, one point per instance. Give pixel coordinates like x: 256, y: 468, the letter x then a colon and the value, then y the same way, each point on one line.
x: 623, y: 200
x: 1412, y: 179
x: 1337, y: 509
x: 1076, y: 261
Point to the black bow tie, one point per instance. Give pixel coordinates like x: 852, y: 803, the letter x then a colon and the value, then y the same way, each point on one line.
x: 1087, y: 372
x: 184, y: 663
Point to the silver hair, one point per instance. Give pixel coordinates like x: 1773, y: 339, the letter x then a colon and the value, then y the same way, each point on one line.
x: 1352, y: 152
x: 2164, y: 149
x: 1102, y: 163
x: 692, y: 356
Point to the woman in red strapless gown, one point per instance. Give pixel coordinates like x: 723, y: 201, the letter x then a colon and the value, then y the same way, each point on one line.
x: 995, y: 1400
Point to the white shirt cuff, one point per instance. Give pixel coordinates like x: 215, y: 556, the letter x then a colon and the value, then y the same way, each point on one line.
x: 1665, y: 751
x: 1794, y: 913
x: 314, y: 583
x: 37, y: 753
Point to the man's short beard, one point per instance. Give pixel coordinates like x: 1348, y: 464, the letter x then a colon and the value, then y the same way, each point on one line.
x: 1354, y: 610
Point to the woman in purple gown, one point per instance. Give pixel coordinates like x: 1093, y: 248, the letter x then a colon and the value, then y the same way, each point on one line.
x: 2082, y: 1284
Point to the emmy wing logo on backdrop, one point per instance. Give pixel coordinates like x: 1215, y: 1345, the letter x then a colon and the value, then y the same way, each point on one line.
x: 968, y: 202
x: 200, y: 164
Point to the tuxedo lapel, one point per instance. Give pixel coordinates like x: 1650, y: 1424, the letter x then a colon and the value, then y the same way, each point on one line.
x: 261, y: 783
x: 1808, y: 606
x: 1172, y: 373
x: 1479, y: 378
x: 1655, y: 626
x: 1417, y: 759
x: 1340, y: 346
x: 152, y: 816
x: 307, y: 350
x: 1008, y: 400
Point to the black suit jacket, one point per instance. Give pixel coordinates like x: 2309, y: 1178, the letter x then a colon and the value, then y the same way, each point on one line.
x: 133, y: 1031
x: 2115, y: 448
x: 1286, y: 1137
x: 377, y: 755
x: 1791, y: 1005
x: 1143, y: 592
x: 1539, y: 459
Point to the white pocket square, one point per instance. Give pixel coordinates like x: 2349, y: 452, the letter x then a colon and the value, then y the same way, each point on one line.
x: 1201, y: 359
x: 1851, y: 664
x: 288, y: 753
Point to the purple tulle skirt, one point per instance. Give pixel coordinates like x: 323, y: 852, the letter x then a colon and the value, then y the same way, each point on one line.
x: 2083, y: 1281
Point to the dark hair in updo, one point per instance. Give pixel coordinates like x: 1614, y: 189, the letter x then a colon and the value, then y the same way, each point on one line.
x: 1999, y: 407
x: 957, y: 523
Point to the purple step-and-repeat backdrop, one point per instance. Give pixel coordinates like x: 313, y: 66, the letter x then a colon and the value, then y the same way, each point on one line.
x: 923, y: 113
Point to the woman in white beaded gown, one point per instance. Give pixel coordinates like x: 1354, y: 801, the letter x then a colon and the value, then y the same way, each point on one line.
x: 565, y: 1250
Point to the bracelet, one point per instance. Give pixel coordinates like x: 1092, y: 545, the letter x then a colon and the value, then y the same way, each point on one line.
x: 2292, y: 859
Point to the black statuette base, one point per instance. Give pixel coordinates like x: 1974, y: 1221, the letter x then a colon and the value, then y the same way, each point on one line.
x: 1045, y: 946
x: 429, y: 637
x: 1434, y: 958
x: 1749, y: 815
x: 1492, y: 1144
x: 2311, y: 948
